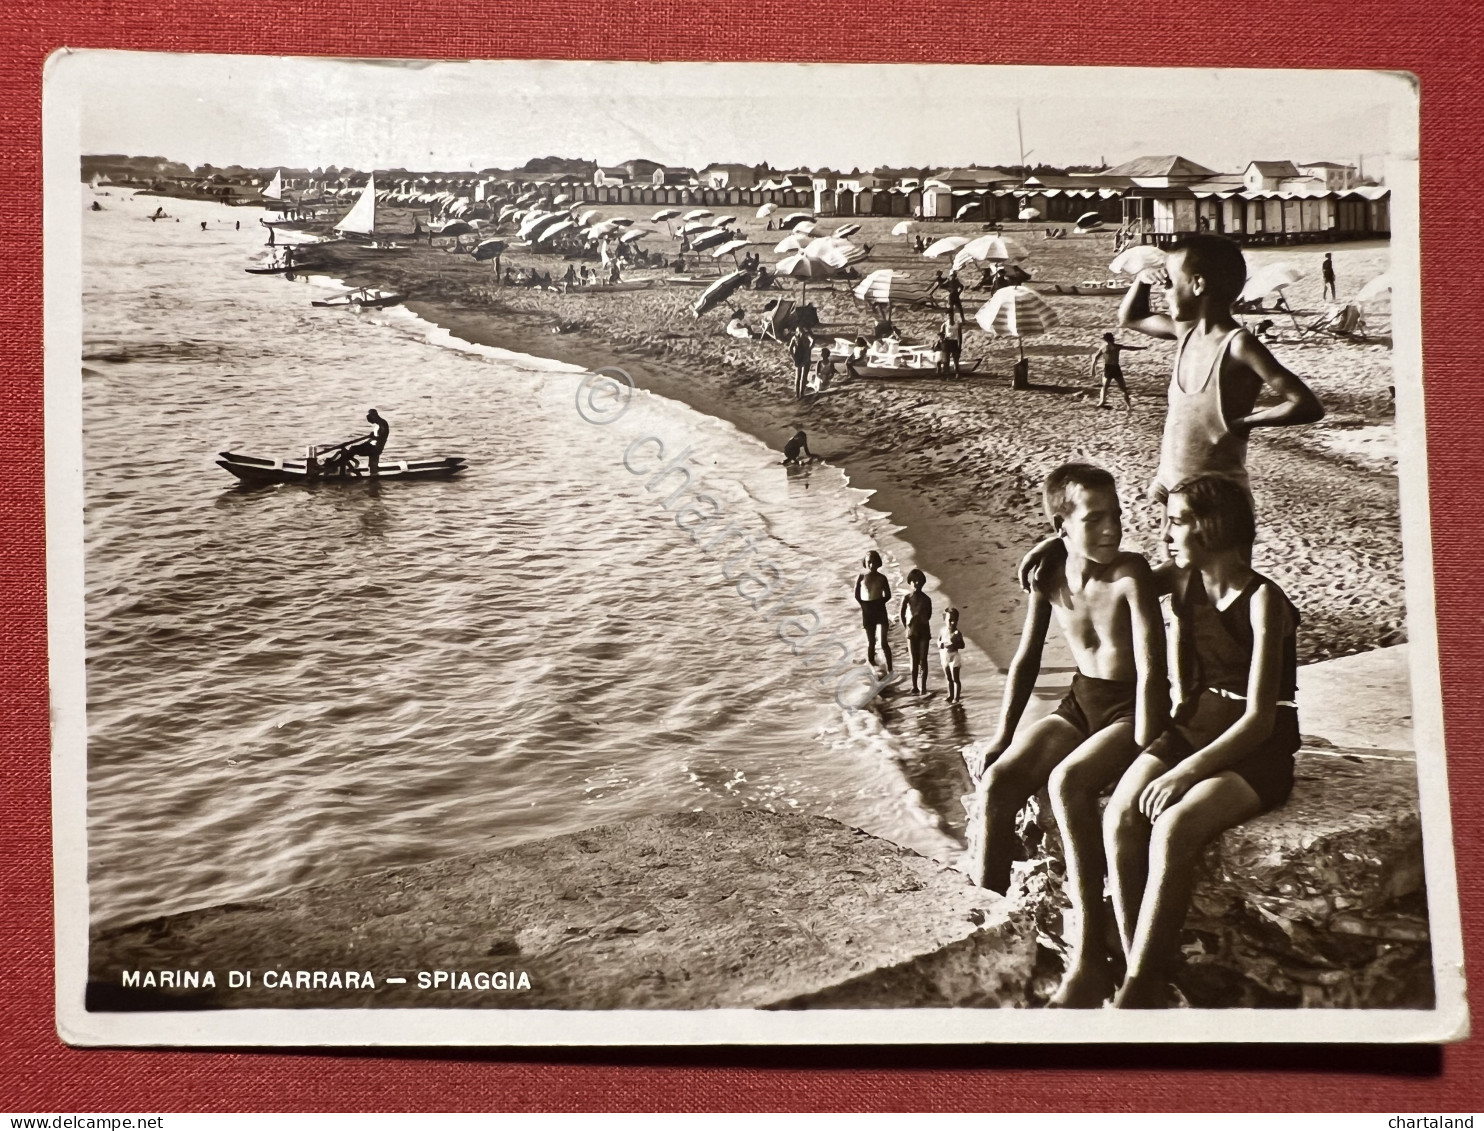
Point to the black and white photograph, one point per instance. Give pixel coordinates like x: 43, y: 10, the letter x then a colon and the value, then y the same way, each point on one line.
x: 617, y: 553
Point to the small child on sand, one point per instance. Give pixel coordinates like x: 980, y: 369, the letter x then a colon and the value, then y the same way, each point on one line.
x: 916, y: 615
x: 872, y: 591
x: 1105, y: 604
x: 950, y: 651
x: 1219, y: 367
x: 797, y: 449
x: 1229, y: 755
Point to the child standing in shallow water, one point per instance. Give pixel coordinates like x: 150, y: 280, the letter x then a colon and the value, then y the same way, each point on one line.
x: 917, y: 617
x: 950, y: 649
x: 1229, y: 754
x: 872, y: 592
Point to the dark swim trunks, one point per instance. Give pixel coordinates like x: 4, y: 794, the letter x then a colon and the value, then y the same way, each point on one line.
x: 874, y: 612
x: 1093, y: 704
x: 1268, y: 770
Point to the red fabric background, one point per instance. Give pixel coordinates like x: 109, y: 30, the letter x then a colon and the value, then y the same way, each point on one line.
x: 1441, y: 42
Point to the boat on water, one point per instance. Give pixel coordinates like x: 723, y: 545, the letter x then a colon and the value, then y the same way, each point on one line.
x: 256, y: 470
x: 362, y: 298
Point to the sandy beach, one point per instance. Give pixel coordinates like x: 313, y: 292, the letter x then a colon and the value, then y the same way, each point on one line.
x: 958, y: 463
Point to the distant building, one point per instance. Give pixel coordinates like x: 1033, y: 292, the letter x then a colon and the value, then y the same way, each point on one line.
x: 607, y: 176
x: 726, y: 176
x: 1334, y: 174
x: 1160, y: 172
x: 1266, y: 176
x: 679, y: 178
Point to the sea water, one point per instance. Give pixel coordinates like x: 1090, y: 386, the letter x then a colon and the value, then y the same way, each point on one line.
x: 290, y: 685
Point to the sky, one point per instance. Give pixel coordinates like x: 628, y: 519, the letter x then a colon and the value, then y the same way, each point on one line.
x: 263, y: 111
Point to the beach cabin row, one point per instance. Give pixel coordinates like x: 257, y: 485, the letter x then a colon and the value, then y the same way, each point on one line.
x: 1164, y: 216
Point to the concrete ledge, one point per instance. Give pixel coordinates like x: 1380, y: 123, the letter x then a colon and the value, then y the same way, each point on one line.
x: 694, y: 911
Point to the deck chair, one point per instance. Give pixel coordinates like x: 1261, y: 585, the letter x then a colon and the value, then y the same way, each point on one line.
x: 778, y: 320
x: 1342, y: 320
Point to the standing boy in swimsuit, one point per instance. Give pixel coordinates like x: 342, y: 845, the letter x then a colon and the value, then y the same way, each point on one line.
x: 1219, y: 367
x: 1106, y: 606
x: 872, y: 593
x: 916, y: 615
x: 1108, y: 353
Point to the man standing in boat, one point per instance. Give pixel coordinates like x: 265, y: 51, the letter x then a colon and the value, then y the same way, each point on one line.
x: 373, y: 445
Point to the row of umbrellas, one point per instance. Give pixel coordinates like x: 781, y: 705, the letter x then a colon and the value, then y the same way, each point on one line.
x: 1271, y: 278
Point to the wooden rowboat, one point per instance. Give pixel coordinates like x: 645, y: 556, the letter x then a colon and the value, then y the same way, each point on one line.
x: 360, y: 299
x: 904, y: 372
x: 252, y: 469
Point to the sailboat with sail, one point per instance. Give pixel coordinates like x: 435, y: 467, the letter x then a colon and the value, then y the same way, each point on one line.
x: 361, y: 220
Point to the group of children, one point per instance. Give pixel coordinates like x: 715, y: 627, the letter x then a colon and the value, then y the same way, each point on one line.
x: 873, y: 591
x: 1194, y: 730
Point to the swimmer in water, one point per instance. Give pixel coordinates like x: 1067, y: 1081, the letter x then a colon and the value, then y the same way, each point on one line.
x: 872, y: 592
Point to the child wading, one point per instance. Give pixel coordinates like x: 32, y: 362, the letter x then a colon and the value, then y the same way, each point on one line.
x: 917, y: 617
x: 873, y: 592
x: 950, y: 651
x: 1219, y: 367
x: 1106, y: 606
x: 1229, y: 754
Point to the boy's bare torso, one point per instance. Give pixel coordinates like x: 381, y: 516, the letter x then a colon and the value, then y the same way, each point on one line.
x: 1091, y: 604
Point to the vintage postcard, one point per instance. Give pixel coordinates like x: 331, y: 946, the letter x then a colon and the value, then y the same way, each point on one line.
x: 615, y: 553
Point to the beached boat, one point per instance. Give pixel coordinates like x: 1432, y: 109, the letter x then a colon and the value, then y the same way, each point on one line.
x: 253, y: 469
x: 361, y: 298
x: 280, y: 268
x: 1088, y: 289
x: 609, y: 288
x: 690, y: 280
x: 903, y: 372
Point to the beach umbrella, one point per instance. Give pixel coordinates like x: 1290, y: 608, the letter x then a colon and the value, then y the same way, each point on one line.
x: 634, y: 235
x: 1273, y: 277
x: 731, y: 247
x: 847, y: 230
x: 838, y: 253
x: 691, y: 226
x: 606, y: 228
x: 555, y: 229
x: 887, y: 286
x: 766, y: 210
x: 665, y: 214
x: 794, y: 218
x: 965, y: 209
x: 806, y: 228
x: 1089, y: 220
x: 585, y: 218
x: 561, y: 199
x: 489, y: 249
x: 1380, y: 285
x: 791, y: 243
x: 1028, y: 214
x: 804, y: 268
x: 453, y: 228
x: 987, y: 249
x: 718, y: 291
x: 945, y: 245
x: 710, y: 239
x: 1138, y: 259
x: 1016, y: 312
x: 699, y: 214
x: 902, y: 229
x: 537, y: 223
x: 527, y: 197
x: 723, y: 221
x: 622, y: 221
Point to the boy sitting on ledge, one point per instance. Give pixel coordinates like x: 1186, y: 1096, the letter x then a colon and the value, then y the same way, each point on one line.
x: 1105, y: 604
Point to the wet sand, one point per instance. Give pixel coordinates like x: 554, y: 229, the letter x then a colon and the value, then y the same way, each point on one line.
x: 958, y: 463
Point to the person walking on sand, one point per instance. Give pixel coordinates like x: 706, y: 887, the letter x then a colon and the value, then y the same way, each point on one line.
x: 1108, y: 353
x: 953, y: 340
x: 916, y: 615
x: 872, y: 592
x: 1327, y: 269
x: 950, y: 652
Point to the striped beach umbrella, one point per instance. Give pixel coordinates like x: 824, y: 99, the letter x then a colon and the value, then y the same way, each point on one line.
x: 718, y: 291
x: 731, y: 247
x: 1016, y: 312
x: 710, y: 238
x: 723, y: 221
x: 887, y: 286
x: 795, y: 218
x: 585, y: 218
x: 699, y: 214
x: 1088, y: 221
x: 987, y: 249
x: 665, y: 214
x: 847, y: 230
x: 838, y: 253
x: 806, y: 228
